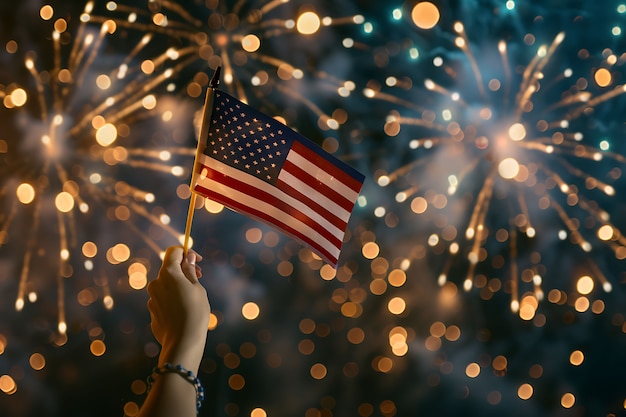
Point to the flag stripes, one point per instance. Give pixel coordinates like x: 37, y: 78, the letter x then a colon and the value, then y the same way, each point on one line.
x: 248, y: 195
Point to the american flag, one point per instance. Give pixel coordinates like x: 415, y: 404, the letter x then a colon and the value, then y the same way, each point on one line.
x: 259, y: 167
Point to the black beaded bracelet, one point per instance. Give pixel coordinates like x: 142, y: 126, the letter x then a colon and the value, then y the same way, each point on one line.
x: 178, y: 369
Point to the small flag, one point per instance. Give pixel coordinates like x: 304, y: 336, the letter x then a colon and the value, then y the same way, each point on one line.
x: 259, y: 167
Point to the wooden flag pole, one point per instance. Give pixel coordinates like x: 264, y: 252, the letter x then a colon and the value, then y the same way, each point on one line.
x: 202, y: 140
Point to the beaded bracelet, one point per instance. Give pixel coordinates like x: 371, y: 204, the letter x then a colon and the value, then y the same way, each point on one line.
x: 178, y: 369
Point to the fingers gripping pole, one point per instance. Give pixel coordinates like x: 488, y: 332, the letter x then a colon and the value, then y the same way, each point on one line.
x: 202, y: 139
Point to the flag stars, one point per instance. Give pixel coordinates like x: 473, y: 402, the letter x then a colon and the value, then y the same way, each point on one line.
x: 241, y: 138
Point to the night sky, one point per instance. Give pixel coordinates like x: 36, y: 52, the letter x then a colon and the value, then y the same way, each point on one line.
x: 482, y: 272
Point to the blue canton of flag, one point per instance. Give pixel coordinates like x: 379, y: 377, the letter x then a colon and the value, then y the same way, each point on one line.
x: 243, y: 141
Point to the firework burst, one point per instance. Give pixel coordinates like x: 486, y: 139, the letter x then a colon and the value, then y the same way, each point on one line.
x: 271, y: 52
x: 76, y: 164
x: 504, y: 158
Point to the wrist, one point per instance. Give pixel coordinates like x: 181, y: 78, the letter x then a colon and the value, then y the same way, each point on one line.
x: 186, y: 374
x: 188, y: 356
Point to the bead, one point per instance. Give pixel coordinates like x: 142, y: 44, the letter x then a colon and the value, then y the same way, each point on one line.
x: 185, y: 373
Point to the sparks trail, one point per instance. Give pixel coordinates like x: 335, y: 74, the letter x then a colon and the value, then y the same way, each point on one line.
x: 518, y: 143
x: 241, y: 38
x: 75, y: 158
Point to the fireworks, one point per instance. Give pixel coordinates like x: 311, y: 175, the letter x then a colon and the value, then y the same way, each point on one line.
x: 74, y: 161
x: 271, y: 52
x: 502, y: 153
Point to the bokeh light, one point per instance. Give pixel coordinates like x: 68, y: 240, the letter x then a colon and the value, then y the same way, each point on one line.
x: 425, y: 15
